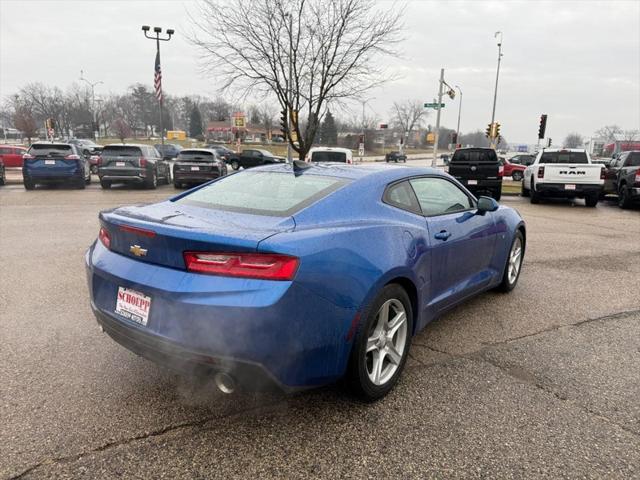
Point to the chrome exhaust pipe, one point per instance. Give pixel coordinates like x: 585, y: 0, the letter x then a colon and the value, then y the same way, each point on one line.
x: 225, y: 382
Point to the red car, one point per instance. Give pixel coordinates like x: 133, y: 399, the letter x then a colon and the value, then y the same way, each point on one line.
x: 11, y: 155
x: 515, y: 166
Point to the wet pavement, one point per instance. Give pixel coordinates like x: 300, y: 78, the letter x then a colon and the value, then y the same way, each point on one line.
x: 542, y: 382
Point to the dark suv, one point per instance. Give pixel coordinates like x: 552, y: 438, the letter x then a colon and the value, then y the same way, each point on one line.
x: 197, y: 165
x: 478, y: 169
x: 395, y: 157
x: 169, y: 151
x: 622, y: 178
x: 55, y: 163
x: 130, y: 163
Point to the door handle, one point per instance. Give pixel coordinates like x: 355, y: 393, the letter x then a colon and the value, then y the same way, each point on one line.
x: 442, y: 235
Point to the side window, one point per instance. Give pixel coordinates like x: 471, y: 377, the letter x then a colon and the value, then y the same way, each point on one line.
x: 633, y: 160
x: 5, y: 151
x: 515, y: 160
x: 438, y: 196
x: 402, y: 196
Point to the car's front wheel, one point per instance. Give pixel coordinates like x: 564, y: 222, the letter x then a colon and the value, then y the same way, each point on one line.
x: 235, y: 165
x: 382, y: 344
x: 517, y: 176
x: 624, y: 199
x: 514, y: 264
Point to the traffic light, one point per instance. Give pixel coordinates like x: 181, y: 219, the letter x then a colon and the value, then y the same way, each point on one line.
x: 543, y: 125
x: 454, y: 138
x: 283, y: 122
x: 497, y: 130
x: 488, y: 131
x: 548, y: 142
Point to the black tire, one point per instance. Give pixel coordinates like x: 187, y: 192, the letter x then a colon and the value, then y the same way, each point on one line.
x: 29, y: 184
x: 624, y: 199
x: 152, y: 183
x: 94, y: 169
x: 106, y: 184
x: 87, y: 181
x: 591, y: 200
x: 3, y: 180
x: 357, y: 378
x: 509, y: 283
x: 535, y: 196
x: 517, y: 176
x: 177, y: 184
x: 496, y: 194
x: 235, y: 165
x: 525, y: 191
x: 80, y: 184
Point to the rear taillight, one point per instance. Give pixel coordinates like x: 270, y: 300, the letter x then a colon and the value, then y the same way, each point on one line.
x: 540, y: 172
x: 602, y: 173
x: 72, y: 157
x: 99, y: 161
x: 137, y: 230
x: 267, y: 266
x: 104, y: 237
x: 26, y: 156
x: 638, y: 176
x: 500, y: 171
x: 142, y: 162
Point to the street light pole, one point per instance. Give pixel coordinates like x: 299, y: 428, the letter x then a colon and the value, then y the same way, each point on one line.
x: 459, y: 111
x: 93, y: 100
x: 438, y: 108
x: 495, y: 92
x: 158, y: 86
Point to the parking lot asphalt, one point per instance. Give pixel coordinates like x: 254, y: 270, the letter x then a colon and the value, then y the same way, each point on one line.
x: 542, y: 382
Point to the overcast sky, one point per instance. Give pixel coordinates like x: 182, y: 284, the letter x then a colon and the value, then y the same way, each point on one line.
x: 577, y: 61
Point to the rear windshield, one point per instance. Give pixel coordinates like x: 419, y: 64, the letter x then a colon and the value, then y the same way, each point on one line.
x: 121, y: 151
x: 564, y: 157
x: 50, y: 149
x: 633, y: 160
x: 475, y: 156
x: 196, y: 156
x: 329, y: 157
x: 264, y: 193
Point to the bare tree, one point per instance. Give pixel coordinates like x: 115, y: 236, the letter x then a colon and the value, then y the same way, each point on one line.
x: 574, y: 140
x: 408, y: 115
x: 609, y: 133
x: 630, y: 136
x: 121, y: 128
x: 24, y: 121
x: 333, y: 44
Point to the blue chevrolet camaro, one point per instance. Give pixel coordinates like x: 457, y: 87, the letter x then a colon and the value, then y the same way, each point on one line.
x: 298, y: 275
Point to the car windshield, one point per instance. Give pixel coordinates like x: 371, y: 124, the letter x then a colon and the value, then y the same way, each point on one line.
x: 50, y: 150
x: 564, y: 157
x: 633, y: 160
x: 326, y: 156
x: 196, y: 156
x: 486, y: 155
x: 264, y: 193
x: 121, y: 151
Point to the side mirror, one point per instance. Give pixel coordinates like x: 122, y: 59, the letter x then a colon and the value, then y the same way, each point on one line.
x: 487, y: 204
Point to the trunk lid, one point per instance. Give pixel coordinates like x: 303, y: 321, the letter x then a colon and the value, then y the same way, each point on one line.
x: 160, y: 233
x: 572, y: 173
x: 44, y: 157
x: 477, y: 164
x: 121, y: 156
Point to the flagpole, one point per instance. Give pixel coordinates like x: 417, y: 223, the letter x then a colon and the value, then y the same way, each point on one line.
x: 161, y: 95
x: 158, y: 71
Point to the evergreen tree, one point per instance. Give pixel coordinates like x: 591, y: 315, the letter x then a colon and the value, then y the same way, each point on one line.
x: 329, y: 131
x: 195, y: 122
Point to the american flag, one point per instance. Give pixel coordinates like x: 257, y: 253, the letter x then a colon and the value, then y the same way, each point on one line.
x: 157, y: 79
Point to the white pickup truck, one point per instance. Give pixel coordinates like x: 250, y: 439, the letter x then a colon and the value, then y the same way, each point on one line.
x: 563, y: 173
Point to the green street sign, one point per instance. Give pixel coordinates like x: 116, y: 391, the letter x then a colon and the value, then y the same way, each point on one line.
x: 433, y: 105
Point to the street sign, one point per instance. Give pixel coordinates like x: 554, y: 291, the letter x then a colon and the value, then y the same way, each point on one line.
x: 361, y: 150
x: 383, y: 126
x: 431, y: 137
x: 433, y: 105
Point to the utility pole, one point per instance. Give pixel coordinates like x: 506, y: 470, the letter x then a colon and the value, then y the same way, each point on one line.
x: 459, y: 111
x: 495, y: 92
x: 158, y: 73
x: 93, y: 102
x: 290, y: 91
x: 437, y: 131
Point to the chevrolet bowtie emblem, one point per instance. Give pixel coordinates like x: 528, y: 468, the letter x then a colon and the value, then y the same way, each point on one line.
x: 137, y: 250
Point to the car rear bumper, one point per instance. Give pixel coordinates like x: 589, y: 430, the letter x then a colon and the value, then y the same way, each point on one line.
x: 560, y: 190
x: 188, y: 177
x: 482, y: 185
x: 263, y: 332
x: 132, y: 175
x: 52, y: 175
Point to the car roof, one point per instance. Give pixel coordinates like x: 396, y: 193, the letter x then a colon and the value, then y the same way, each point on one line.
x: 208, y: 150
x: 330, y: 149
x: 128, y: 145
x: 382, y: 171
x: 562, y: 150
x: 39, y: 144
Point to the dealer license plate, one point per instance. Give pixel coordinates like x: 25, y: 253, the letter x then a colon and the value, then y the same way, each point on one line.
x: 472, y: 182
x: 49, y: 162
x: 195, y: 168
x: 569, y: 186
x: 133, y: 305
x: 119, y: 164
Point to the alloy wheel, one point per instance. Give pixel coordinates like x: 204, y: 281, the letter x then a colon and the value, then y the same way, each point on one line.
x: 515, y: 260
x: 386, y: 342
